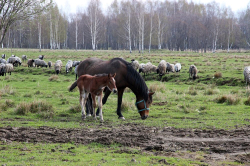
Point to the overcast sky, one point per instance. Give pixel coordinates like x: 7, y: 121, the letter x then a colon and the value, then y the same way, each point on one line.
x: 72, y: 6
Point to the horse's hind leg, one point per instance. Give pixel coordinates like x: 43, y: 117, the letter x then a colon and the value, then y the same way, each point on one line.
x: 120, y: 94
x: 89, y: 107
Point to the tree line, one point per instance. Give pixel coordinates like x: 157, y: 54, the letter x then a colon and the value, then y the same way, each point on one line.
x: 130, y: 25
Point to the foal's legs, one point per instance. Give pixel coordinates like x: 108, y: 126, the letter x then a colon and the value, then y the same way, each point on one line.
x: 100, y: 106
x: 94, y: 105
x: 83, y: 99
x: 104, y: 100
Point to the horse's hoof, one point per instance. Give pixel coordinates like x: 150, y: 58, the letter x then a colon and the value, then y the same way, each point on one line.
x: 88, y: 114
x: 83, y: 117
x: 121, y: 118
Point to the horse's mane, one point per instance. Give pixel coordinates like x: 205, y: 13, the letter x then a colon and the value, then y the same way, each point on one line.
x: 135, y: 79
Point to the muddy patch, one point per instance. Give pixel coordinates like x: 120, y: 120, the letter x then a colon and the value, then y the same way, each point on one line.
x: 218, y: 144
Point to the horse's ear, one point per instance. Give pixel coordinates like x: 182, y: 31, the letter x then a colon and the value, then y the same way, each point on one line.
x: 151, y: 93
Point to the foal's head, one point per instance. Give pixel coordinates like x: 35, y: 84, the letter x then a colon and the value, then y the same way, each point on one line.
x: 111, y: 83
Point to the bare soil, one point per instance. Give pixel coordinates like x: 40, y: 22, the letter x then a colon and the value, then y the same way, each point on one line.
x: 218, y: 145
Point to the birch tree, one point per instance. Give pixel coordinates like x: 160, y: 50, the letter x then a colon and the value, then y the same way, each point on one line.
x: 94, y: 21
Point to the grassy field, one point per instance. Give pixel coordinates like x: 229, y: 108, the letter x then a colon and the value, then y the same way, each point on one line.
x: 37, y: 97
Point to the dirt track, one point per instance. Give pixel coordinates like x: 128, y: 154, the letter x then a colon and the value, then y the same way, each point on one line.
x: 231, y: 145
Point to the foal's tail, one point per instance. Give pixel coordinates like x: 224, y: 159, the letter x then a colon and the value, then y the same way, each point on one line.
x: 73, y: 86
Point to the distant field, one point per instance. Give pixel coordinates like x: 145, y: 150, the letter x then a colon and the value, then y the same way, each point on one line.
x: 208, y: 103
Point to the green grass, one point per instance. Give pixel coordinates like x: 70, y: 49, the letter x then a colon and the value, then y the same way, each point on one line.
x: 178, y: 102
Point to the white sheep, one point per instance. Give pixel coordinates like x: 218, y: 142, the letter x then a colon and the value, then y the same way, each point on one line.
x: 162, y: 68
x: 141, y: 66
x: 177, y: 67
x: 3, y: 61
x: 170, y: 67
x: 193, y: 71
x: 14, y: 60
x: 68, y: 66
x: 24, y: 57
x: 75, y: 63
x: 58, y: 66
x: 39, y: 62
x: 135, y: 64
x: 9, y: 68
x: 247, y: 75
x: 153, y: 68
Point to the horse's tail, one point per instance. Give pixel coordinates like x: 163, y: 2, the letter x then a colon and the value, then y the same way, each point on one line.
x: 73, y: 86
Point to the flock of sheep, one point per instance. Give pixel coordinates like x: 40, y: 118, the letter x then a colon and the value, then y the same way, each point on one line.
x: 7, y: 66
x: 162, y: 68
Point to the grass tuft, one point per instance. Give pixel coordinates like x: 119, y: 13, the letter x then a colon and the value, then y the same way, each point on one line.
x: 75, y: 109
x: 229, y: 99
x: 217, y: 75
x: 247, y: 102
x: 157, y: 87
x: 54, y: 78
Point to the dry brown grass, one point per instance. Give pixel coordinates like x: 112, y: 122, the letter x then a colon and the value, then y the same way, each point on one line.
x: 54, y: 78
x: 158, y: 87
x: 229, y: 99
x: 217, y: 75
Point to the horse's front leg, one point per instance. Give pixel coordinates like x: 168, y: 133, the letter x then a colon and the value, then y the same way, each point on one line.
x: 118, y: 111
x: 104, y: 100
x: 94, y: 105
x: 99, y: 98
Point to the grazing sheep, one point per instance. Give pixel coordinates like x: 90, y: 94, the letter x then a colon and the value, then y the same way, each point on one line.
x: 153, y: 68
x: 247, y: 76
x: 75, y: 63
x: 146, y: 68
x: 24, y: 57
x: 30, y: 63
x: 41, y: 57
x: 76, y: 71
x: 2, y: 69
x: 135, y: 64
x: 162, y: 68
x: 3, y: 61
x: 58, y: 66
x: 41, y: 63
x: 9, y: 68
x: 68, y: 66
x: 141, y: 66
x: 177, y: 67
x: 14, y: 60
x: 3, y: 56
x: 193, y: 71
x: 50, y: 64
x: 170, y: 67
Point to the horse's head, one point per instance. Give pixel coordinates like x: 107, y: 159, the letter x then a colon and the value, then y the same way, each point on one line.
x: 143, y: 106
x: 111, y: 83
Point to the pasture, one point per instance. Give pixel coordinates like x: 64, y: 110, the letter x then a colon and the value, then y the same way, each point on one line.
x: 191, y: 122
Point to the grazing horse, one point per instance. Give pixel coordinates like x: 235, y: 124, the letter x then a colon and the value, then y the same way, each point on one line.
x: 95, y: 86
x: 126, y: 76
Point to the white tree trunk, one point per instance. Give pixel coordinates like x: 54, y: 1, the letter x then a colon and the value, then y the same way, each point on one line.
x: 76, y: 33
x: 39, y: 35
x: 51, y: 33
x: 159, y: 32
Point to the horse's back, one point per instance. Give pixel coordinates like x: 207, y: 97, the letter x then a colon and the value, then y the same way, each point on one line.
x: 94, y: 66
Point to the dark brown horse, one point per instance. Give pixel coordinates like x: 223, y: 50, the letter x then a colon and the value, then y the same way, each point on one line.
x: 93, y: 85
x: 126, y: 76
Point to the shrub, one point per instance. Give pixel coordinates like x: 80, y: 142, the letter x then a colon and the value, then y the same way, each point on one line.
x: 217, y: 75
x: 247, y: 102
